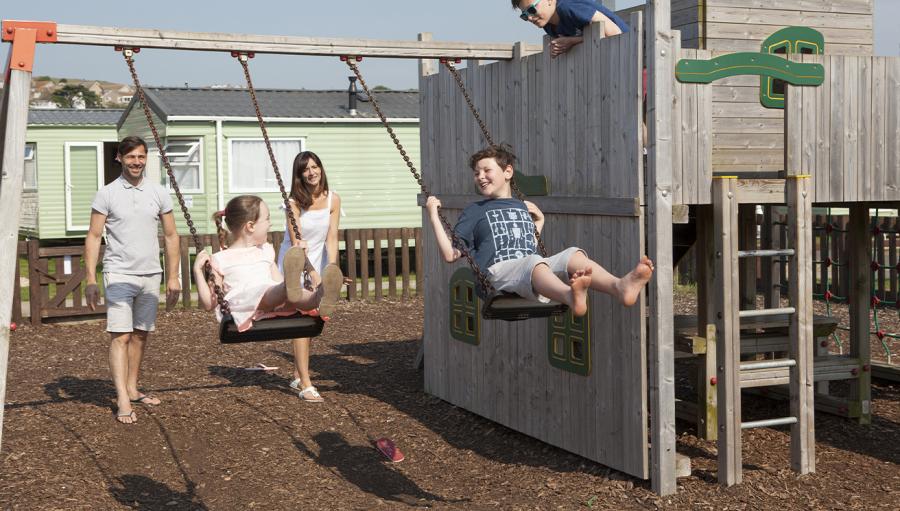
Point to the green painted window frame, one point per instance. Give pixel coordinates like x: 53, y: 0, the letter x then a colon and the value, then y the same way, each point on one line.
x: 465, y: 321
x: 569, y: 342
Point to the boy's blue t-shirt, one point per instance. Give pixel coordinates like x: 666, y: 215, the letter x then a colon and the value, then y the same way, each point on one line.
x: 495, y: 230
x: 575, y: 14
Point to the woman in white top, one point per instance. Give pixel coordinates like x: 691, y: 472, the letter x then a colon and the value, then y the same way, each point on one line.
x: 316, y: 209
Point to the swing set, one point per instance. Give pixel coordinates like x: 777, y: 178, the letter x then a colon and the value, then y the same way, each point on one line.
x: 24, y: 35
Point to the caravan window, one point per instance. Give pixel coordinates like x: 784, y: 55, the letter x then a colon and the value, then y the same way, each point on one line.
x: 30, y: 181
x: 186, y: 159
x: 250, y: 169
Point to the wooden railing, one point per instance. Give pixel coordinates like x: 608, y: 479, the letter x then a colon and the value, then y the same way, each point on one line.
x: 380, y: 263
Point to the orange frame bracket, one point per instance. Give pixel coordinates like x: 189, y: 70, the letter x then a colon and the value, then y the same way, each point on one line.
x: 24, y: 36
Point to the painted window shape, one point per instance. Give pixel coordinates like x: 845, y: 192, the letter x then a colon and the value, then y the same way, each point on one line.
x: 569, y: 342
x: 185, y: 158
x: 787, y: 41
x: 465, y: 322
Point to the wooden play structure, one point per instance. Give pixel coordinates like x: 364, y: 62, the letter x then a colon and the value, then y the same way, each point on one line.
x: 603, y: 386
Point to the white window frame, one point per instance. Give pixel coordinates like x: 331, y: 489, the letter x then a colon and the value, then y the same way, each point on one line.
x: 67, y: 167
x: 285, y: 173
x: 32, y: 158
x: 164, y: 176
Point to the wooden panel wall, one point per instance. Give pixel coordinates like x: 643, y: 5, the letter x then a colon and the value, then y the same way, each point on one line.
x: 746, y: 136
x: 576, y: 119
x: 846, y: 133
x: 693, y: 140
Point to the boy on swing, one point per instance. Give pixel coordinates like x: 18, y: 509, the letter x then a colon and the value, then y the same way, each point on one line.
x: 499, y: 233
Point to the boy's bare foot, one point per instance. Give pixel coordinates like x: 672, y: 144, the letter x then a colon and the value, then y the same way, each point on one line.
x: 580, y: 282
x: 294, y: 263
x: 630, y: 285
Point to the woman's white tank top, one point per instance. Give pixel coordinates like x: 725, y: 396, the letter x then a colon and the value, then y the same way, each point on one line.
x: 314, y: 229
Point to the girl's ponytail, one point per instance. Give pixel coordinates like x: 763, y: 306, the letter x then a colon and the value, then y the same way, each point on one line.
x: 223, y: 235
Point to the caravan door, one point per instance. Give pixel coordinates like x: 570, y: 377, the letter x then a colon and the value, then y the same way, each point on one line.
x: 83, y: 177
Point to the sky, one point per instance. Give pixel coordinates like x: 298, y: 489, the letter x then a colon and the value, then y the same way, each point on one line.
x: 457, y: 20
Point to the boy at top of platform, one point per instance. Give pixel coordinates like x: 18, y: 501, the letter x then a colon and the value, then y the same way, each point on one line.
x: 564, y: 20
x: 499, y: 234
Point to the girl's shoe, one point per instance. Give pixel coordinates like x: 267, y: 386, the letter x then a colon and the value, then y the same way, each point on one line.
x: 294, y: 263
x: 332, y: 280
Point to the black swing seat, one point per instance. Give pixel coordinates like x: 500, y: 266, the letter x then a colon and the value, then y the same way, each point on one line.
x: 510, y: 307
x: 272, y: 329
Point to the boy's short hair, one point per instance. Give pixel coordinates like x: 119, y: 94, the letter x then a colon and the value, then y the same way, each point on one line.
x: 501, y: 154
x: 129, y: 144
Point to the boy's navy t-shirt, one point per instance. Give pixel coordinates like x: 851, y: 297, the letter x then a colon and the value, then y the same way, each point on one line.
x: 575, y: 14
x: 495, y: 230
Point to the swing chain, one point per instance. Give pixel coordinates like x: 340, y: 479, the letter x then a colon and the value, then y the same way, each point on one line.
x: 242, y: 58
x: 485, y: 284
x: 207, y: 268
x: 490, y: 140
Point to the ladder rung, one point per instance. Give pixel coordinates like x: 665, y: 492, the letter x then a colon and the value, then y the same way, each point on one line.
x: 766, y: 253
x: 768, y: 364
x: 754, y: 313
x: 768, y: 423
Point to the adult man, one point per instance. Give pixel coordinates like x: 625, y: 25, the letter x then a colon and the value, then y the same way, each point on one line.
x: 131, y: 209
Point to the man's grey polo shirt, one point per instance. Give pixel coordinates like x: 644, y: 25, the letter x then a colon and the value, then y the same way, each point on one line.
x: 132, y: 225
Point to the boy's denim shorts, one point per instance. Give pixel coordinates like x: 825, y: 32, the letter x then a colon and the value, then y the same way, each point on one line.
x: 131, y: 301
x: 514, y: 275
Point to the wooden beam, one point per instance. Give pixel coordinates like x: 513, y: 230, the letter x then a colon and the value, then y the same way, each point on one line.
x: 600, y: 206
x: 289, y: 45
x: 13, y: 121
x: 661, y: 334
x: 803, y: 433
x: 724, y: 291
x: 859, y: 246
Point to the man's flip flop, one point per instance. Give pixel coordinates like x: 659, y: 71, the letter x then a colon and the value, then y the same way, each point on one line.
x: 129, y: 414
x: 386, y: 447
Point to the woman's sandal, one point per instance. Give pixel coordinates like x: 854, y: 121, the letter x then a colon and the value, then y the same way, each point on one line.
x: 308, y: 394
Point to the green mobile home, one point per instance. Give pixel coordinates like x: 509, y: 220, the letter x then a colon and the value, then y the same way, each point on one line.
x: 216, y: 148
x: 68, y: 154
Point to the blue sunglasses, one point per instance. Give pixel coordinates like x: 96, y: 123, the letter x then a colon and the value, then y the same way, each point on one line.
x: 531, y: 10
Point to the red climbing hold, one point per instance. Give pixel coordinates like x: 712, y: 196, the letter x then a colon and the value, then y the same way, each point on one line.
x: 881, y: 334
x: 875, y: 266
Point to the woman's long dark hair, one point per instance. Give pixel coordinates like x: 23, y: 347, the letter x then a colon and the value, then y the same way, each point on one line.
x: 301, y: 195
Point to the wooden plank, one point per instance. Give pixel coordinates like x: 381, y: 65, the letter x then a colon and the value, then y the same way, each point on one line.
x: 417, y: 234
x: 836, y: 162
x: 879, y: 135
x: 864, y: 119
x: 803, y: 441
x: 859, y: 275
x: 735, y: 45
x: 13, y: 123
x: 823, y: 140
x: 660, y: 72
x: 364, y: 236
x: 566, y: 205
x: 290, y: 45
x: 16, y: 315
x: 378, y: 235
x: 747, y: 267
x: 350, y: 244
x: 892, y: 127
x: 835, y: 6
x: 404, y: 261
x: 728, y: 125
x: 392, y: 235
x: 746, y: 16
x: 758, y: 32
x: 725, y: 284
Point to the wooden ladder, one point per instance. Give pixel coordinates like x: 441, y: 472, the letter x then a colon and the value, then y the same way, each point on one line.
x: 724, y: 310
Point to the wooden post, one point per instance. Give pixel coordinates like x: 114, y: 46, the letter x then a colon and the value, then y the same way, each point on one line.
x: 859, y: 273
x: 747, y: 266
x: 661, y: 338
x: 13, y: 122
x: 728, y: 334
x: 704, y: 249
x: 803, y: 438
x: 769, y: 240
x: 426, y: 66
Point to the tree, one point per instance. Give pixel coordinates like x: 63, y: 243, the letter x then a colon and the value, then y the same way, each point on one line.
x: 76, y: 96
x: 379, y: 88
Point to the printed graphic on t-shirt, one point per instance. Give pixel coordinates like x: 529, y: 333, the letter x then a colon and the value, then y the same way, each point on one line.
x: 513, y: 233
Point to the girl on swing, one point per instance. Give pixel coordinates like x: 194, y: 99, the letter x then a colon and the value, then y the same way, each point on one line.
x: 246, y: 270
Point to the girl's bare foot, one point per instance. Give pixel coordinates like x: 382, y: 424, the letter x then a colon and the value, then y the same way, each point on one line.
x: 630, y: 285
x: 580, y: 282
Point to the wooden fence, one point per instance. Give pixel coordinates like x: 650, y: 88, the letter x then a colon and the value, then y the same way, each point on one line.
x: 381, y: 264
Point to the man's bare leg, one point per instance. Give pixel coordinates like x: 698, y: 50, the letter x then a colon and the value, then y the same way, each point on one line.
x: 136, y: 347
x: 118, y: 367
